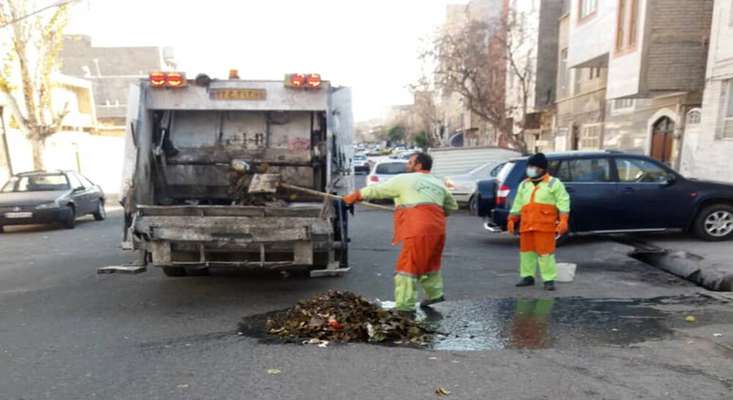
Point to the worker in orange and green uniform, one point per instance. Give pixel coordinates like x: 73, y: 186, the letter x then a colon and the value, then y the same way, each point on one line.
x: 542, y: 208
x: 422, y: 203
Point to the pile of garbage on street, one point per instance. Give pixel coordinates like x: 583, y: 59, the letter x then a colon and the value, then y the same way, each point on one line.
x: 342, y: 316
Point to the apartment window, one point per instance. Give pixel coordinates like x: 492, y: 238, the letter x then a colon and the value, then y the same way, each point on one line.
x: 728, y: 111
x: 590, y: 137
x: 626, y: 25
x: 594, y: 73
x: 563, y: 74
x: 623, y: 104
x: 586, y: 8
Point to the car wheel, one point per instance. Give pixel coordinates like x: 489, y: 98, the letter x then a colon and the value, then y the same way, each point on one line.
x: 715, y: 223
x: 101, y: 212
x: 473, y: 204
x: 175, y: 272
x: 69, y: 221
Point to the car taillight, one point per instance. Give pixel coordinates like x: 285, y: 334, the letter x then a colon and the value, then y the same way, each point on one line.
x: 502, y: 194
x: 373, y: 178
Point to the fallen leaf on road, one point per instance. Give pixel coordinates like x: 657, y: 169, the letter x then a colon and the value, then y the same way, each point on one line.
x: 441, y: 391
x: 273, y: 371
x: 690, y: 318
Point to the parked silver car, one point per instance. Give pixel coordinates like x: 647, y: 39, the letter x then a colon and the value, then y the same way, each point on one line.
x: 463, y: 186
x: 386, y: 169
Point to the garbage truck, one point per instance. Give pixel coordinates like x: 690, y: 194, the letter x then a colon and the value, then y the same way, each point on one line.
x: 193, y: 147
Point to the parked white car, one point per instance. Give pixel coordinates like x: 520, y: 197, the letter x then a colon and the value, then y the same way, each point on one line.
x: 385, y: 170
x: 463, y: 186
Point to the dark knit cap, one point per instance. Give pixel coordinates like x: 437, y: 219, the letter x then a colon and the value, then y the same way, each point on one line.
x: 538, y: 160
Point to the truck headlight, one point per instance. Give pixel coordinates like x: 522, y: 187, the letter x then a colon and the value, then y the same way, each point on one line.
x: 46, y: 206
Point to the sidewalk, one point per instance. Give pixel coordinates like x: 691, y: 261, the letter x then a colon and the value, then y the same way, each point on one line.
x: 709, y: 264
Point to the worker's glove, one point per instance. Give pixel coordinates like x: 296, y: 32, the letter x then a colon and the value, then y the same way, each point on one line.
x: 352, y: 198
x: 511, y: 225
x: 563, y: 227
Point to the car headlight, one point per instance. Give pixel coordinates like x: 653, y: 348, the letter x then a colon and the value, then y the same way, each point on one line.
x: 46, y: 206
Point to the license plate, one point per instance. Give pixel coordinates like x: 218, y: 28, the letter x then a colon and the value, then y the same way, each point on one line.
x: 18, y: 215
x: 238, y: 94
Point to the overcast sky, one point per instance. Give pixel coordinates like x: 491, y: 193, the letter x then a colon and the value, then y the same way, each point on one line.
x: 370, y: 45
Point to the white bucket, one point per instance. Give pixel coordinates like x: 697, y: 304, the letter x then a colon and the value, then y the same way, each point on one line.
x: 565, y: 272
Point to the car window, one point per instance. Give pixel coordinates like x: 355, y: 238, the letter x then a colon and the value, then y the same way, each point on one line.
x: 86, y: 182
x: 496, y: 170
x: 74, y: 181
x: 560, y: 170
x: 36, y: 183
x: 391, y: 168
x: 585, y: 170
x: 637, y: 170
x: 505, y: 171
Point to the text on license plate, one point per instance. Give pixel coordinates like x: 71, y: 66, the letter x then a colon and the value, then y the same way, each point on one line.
x: 18, y: 215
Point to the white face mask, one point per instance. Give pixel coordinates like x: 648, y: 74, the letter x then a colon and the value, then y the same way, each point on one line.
x: 532, y: 172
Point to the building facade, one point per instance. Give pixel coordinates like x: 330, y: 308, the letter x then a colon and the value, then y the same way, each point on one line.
x: 707, y: 147
x: 111, y: 71
x: 653, y: 53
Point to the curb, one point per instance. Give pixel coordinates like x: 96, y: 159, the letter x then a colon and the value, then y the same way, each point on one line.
x: 689, y: 266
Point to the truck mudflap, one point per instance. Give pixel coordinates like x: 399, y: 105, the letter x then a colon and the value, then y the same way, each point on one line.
x: 238, y: 236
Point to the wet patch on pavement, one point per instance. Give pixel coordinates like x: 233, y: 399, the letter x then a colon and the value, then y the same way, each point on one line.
x: 496, y: 324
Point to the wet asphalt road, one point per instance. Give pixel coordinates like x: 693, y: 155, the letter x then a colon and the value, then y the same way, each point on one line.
x: 617, y: 332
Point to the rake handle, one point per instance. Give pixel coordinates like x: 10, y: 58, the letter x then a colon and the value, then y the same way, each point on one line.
x: 332, y: 196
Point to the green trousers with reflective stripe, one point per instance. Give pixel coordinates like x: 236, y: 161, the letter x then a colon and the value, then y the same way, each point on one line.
x: 528, y: 265
x: 405, y: 289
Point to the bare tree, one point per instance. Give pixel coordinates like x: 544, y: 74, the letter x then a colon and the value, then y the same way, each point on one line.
x: 35, y: 40
x: 474, y: 60
x: 427, y: 111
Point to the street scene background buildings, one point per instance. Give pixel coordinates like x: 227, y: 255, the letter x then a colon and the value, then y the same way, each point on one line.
x: 651, y: 77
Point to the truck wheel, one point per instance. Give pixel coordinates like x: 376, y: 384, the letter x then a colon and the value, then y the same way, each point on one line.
x: 174, y: 271
x: 714, y: 223
x: 69, y: 221
x: 101, y: 212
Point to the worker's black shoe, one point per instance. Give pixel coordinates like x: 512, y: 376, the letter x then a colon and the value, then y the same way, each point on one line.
x: 550, y: 285
x: 430, y: 302
x: 526, y: 281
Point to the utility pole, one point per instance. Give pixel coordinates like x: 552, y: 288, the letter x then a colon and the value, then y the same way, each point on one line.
x: 4, y: 137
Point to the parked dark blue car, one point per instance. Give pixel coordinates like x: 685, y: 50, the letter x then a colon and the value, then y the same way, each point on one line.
x: 613, y: 192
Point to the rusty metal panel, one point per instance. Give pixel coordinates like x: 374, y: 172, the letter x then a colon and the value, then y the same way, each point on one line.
x: 261, y: 227
x: 303, y: 253
x: 277, y: 97
x: 244, y: 236
x: 161, y: 251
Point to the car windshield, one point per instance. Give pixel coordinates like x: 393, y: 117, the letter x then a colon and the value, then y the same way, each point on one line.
x: 36, y: 183
x: 391, y: 168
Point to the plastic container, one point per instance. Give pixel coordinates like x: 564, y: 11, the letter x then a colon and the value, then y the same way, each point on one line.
x: 565, y: 272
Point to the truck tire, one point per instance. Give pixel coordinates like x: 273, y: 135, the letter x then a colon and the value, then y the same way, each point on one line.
x: 714, y: 223
x: 175, y: 272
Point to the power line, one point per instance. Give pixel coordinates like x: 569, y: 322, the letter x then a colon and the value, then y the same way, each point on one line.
x: 59, y: 4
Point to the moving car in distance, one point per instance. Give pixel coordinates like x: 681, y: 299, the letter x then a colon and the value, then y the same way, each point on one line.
x: 463, y: 186
x: 53, y: 197
x: 613, y: 192
x: 361, y: 163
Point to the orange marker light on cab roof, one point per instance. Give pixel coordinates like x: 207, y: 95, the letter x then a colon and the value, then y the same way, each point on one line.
x: 157, y: 79
x: 313, y: 81
x: 176, y: 79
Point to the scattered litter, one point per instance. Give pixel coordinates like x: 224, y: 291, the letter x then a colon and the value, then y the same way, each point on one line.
x: 342, y: 316
x: 184, y: 386
x: 717, y: 334
x: 320, y: 343
x: 274, y: 371
x: 441, y: 391
x: 614, y: 330
x: 690, y: 318
x: 432, y: 358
